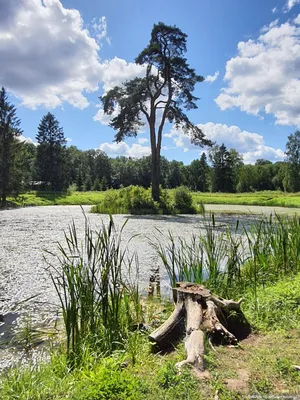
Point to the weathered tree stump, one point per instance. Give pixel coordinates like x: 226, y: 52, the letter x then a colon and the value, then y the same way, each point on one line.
x: 204, y: 314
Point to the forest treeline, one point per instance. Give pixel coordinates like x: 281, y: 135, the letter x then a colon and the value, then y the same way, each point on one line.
x: 56, y: 167
x: 51, y: 165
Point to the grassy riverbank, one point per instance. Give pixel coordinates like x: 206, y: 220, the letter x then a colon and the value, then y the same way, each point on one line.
x: 107, y: 354
x: 266, y: 198
x: 261, y: 365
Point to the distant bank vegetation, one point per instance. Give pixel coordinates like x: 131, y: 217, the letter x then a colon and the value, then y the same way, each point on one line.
x: 264, y: 198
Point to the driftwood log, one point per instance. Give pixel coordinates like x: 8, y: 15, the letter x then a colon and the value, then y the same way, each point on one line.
x: 203, y: 314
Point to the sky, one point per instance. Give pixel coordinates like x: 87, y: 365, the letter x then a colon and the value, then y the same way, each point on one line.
x: 61, y: 55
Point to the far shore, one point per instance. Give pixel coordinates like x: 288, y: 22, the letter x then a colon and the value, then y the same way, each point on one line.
x: 265, y: 202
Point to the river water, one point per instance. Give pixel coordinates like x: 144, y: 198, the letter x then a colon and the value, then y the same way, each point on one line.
x: 26, y: 233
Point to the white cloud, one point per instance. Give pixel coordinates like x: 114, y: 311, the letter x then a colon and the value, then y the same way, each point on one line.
x: 117, y: 71
x: 274, y: 10
x: 104, y: 119
x: 143, y: 140
x: 297, y: 19
x: 290, y: 4
x: 99, y: 27
x: 250, y: 145
x: 212, y: 78
x: 264, y: 76
x: 271, y: 25
x: 123, y: 149
x: 24, y: 139
x: 47, y: 56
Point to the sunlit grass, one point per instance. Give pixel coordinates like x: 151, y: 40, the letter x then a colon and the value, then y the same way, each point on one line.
x: 266, y: 198
x: 35, y: 198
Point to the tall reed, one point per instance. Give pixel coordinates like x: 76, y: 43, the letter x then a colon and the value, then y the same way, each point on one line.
x: 231, y: 261
x: 98, y: 302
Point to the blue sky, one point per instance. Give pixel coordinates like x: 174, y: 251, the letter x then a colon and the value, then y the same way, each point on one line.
x: 60, y: 56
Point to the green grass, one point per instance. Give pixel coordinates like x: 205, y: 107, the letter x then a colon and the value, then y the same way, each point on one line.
x: 266, y: 198
x: 267, y: 357
x: 47, y: 198
x: 277, y: 306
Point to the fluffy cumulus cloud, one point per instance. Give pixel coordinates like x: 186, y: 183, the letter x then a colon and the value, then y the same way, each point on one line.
x: 250, y: 145
x: 212, y: 78
x: 123, y: 149
x: 47, y: 56
x: 115, y: 72
x: 264, y: 76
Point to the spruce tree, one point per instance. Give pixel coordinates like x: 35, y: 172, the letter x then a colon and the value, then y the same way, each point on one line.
x: 51, y: 153
x: 9, y: 130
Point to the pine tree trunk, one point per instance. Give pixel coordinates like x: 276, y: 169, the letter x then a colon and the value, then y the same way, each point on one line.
x: 155, y: 157
x: 155, y: 177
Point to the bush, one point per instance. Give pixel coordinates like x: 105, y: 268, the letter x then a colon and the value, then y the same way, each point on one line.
x: 183, y: 201
x: 139, y: 201
x: 134, y: 200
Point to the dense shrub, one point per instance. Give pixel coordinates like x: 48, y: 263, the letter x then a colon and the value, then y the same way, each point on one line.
x: 183, y: 201
x: 133, y: 200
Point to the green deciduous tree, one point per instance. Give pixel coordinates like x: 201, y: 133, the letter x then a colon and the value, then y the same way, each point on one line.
x: 9, y: 147
x: 51, y: 155
x: 293, y: 157
x: 160, y: 96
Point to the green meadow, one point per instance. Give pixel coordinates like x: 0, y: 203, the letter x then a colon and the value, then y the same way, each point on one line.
x: 265, y: 198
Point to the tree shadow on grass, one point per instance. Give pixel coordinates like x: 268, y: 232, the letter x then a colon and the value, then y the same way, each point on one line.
x: 52, y: 196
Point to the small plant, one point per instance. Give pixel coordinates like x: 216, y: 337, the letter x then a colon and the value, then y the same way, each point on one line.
x: 263, y: 386
x: 108, y: 382
x: 168, y: 376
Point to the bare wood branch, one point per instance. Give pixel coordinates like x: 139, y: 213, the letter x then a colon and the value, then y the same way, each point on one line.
x: 163, y: 334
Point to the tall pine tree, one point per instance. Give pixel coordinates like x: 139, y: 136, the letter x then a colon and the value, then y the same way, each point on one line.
x: 51, y: 153
x: 9, y: 130
x: 161, y: 96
